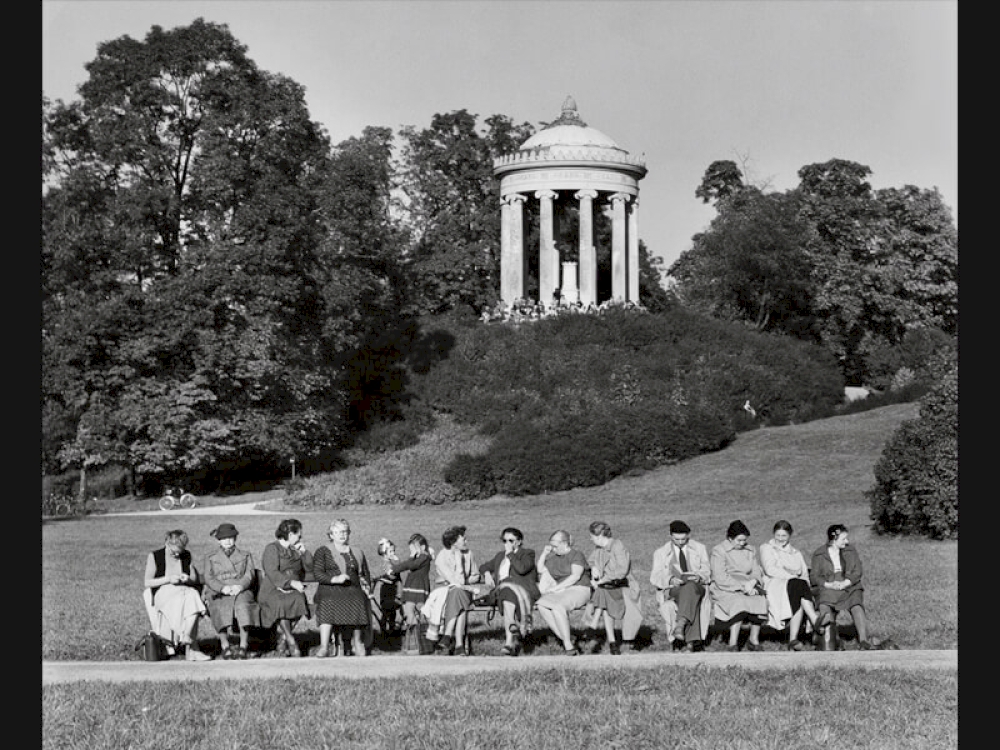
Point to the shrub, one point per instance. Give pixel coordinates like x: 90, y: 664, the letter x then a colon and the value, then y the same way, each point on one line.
x: 916, y: 477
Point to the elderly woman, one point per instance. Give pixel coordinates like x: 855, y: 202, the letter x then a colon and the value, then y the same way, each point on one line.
x: 512, y: 576
x: 836, y: 576
x: 786, y: 584
x: 615, y: 595
x: 174, y: 583
x: 736, y: 586
x: 229, y: 573
x: 456, y: 570
x: 285, y: 563
x: 342, y: 594
x: 565, y: 586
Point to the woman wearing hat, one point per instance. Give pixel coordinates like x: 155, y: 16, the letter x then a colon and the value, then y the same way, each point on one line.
x: 229, y: 573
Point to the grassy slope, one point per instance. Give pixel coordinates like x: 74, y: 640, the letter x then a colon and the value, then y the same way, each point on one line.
x: 812, y: 474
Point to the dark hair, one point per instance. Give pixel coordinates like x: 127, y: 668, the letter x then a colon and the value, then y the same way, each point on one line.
x: 736, y: 528
x: 451, y: 535
x: 286, y: 527
x: 600, y: 528
x: 419, y: 539
x: 512, y: 530
x: 783, y: 526
x: 834, y: 531
x: 679, y: 527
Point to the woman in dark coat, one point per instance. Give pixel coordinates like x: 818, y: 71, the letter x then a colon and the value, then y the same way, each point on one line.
x: 285, y: 563
x: 342, y: 595
x: 514, y: 579
x: 835, y: 573
x: 229, y: 573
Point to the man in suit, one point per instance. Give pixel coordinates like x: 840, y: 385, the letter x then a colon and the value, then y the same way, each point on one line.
x: 681, y: 574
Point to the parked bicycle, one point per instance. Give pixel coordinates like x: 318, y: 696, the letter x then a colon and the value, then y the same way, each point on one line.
x: 175, y: 498
x: 57, y: 504
x: 61, y: 504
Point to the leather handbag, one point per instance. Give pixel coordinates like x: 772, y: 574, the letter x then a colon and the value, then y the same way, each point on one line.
x: 152, y: 647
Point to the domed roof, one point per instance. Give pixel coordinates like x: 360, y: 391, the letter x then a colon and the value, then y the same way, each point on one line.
x: 569, y: 130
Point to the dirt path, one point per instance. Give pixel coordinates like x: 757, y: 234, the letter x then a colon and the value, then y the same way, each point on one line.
x: 392, y: 665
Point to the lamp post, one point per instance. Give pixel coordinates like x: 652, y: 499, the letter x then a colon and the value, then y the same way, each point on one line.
x: 292, y: 462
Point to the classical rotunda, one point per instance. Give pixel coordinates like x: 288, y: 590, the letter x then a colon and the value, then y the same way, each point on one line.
x: 569, y: 157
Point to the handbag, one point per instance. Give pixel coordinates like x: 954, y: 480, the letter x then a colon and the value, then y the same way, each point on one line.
x: 152, y: 647
x: 614, y: 583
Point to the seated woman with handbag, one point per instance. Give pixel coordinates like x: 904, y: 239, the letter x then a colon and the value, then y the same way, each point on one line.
x: 615, y: 595
x: 175, y: 586
x: 512, y: 578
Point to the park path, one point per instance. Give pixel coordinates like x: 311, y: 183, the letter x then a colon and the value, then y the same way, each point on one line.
x: 397, y: 665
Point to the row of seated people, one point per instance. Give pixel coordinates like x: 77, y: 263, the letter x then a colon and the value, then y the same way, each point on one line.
x: 732, y: 585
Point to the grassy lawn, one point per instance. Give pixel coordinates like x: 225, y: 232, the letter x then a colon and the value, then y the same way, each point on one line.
x: 812, y: 475
x: 642, y: 709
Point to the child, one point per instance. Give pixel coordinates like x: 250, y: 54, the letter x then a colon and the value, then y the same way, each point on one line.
x: 388, y: 599
x: 416, y: 587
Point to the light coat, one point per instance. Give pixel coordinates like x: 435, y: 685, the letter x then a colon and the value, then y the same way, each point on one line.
x: 780, y: 565
x: 665, y: 566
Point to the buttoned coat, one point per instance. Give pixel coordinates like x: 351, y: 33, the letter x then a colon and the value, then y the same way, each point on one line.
x: 665, y: 566
x: 822, y: 572
x: 223, y: 570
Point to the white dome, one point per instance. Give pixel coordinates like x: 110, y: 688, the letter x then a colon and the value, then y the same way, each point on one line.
x: 569, y: 135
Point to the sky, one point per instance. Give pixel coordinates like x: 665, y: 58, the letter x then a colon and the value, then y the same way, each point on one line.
x: 773, y: 85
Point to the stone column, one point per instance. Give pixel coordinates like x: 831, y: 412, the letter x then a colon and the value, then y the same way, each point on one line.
x: 588, y: 252
x: 619, y: 255
x: 508, y: 274
x: 570, y: 292
x: 548, y: 256
x: 518, y: 258
x: 633, y: 251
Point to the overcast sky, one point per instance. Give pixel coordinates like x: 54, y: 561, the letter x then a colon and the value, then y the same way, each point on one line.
x: 682, y: 82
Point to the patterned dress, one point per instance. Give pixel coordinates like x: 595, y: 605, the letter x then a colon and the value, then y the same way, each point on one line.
x: 343, y: 604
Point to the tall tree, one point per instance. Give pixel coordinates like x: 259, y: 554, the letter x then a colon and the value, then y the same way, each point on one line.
x: 452, y: 203
x: 184, y: 316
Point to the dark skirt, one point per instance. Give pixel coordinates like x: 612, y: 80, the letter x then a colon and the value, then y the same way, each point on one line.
x: 798, y: 591
x: 610, y: 600
x: 458, y: 601
x: 840, y: 600
x: 342, y: 605
x: 282, y: 605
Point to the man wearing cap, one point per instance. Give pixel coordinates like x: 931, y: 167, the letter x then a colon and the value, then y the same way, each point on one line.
x: 229, y: 575
x: 681, y: 574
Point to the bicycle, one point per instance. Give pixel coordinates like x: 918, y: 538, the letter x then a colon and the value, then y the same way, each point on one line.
x: 171, y: 501
x: 57, y: 504
x: 81, y: 506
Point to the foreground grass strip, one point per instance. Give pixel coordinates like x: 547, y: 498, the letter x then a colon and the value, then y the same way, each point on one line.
x: 643, y: 708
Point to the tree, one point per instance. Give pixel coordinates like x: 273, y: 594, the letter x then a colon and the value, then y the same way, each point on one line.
x: 452, y: 202
x: 186, y: 322
x: 750, y: 264
x: 721, y: 180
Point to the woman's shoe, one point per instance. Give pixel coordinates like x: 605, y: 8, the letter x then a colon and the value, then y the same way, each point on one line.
x: 239, y: 653
x: 794, y: 645
x: 281, y: 649
x: 507, y: 651
x: 293, y: 648
x: 732, y: 649
x: 445, y: 646
x: 865, y: 646
x: 467, y: 648
x: 194, y: 654
x: 751, y: 646
x: 615, y: 648
x: 227, y: 654
x: 572, y: 651
x: 323, y: 652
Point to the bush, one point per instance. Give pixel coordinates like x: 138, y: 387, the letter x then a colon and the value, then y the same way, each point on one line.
x: 916, y: 478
